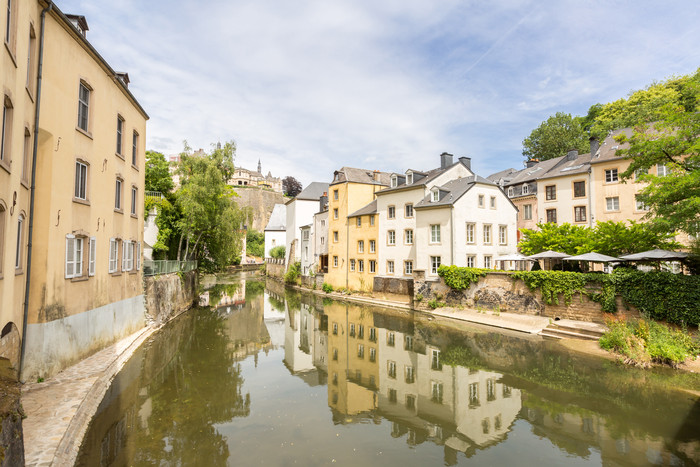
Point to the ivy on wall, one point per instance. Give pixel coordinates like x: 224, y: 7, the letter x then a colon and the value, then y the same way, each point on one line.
x: 460, y: 278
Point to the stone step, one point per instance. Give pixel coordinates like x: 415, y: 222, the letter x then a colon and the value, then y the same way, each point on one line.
x: 595, y: 333
x: 547, y: 335
x: 550, y: 331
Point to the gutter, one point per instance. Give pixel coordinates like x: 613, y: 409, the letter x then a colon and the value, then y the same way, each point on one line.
x: 33, y: 186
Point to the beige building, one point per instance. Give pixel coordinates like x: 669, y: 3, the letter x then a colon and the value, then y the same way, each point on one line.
x: 245, y: 177
x: 85, y: 288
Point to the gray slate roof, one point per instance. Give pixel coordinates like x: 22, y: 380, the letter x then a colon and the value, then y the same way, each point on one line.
x: 313, y: 192
x: 429, y: 176
x: 582, y: 164
x: 351, y: 174
x: 451, y: 191
x: 609, y: 147
x: 278, y: 218
x: 371, y: 208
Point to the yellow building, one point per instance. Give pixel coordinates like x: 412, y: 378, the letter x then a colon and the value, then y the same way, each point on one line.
x: 86, y: 225
x: 352, y: 227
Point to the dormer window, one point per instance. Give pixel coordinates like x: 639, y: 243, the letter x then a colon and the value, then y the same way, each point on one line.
x: 394, y: 181
x: 435, y: 195
x: 526, y: 189
x: 409, y: 177
x: 511, y: 192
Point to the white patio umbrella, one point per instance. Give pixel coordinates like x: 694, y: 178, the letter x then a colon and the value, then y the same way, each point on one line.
x: 655, y: 255
x: 592, y: 257
x: 549, y: 255
x: 513, y: 257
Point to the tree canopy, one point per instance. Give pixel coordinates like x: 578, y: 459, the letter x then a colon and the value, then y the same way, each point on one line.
x: 158, y: 173
x: 554, y: 137
x: 291, y: 186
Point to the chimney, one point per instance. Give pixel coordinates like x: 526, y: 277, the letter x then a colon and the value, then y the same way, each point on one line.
x: 323, y: 201
x: 530, y: 163
x: 467, y: 161
x: 572, y: 155
x: 595, y: 144
x: 445, y: 160
x: 377, y: 175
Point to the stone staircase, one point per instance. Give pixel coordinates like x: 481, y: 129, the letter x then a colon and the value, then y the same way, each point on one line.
x: 562, y: 328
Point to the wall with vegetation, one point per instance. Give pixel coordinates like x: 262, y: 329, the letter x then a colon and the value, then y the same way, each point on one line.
x: 168, y: 295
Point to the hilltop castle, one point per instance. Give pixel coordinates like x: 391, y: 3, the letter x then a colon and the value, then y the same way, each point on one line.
x: 245, y: 177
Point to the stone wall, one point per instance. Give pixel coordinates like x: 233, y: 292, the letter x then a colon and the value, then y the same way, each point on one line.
x: 393, y: 288
x: 11, y: 434
x: 10, y: 344
x: 168, y: 295
x: 500, y: 291
x: 312, y: 282
x: 261, y: 203
x: 275, y: 268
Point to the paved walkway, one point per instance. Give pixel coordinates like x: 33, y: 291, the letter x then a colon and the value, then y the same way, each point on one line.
x: 59, y: 410
x: 514, y: 321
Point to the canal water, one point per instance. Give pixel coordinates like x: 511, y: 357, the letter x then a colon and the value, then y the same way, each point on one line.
x: 268, y: 376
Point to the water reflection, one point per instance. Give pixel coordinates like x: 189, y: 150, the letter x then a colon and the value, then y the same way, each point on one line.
x: 219, y: 386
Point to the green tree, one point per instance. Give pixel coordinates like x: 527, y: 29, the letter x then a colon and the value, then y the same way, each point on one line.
x: 554, y: 137
x: 255, y: 243
x: 158, y: 173
x: 567, y: 238
x: 618, y: 238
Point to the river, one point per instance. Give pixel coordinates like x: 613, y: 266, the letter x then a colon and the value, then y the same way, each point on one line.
x: 272, y: 376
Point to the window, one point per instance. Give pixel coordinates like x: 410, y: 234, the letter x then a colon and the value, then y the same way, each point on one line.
x: 392, y: 395
x: 127, y: 256
x: 435, y: 233
x: 26, y: 157
x: 361, y: 265
x: 391, y: 212
x: 611, y: 175
x: 373, y: 334
x: 335, y: 195
x: 470, y: 233
x: 391, y: 339
x: 372, y: 246
x: 358, y: 222
x: 360, y: 331
x: 510, y: 192
x: 434, y: 195
x: 5, y: 138
x: 436, y: 392
x: 493, y: 202
x: 502, y: 235
x: 335, y: 261
x: 639, y: 172
x: 487, y: 234
x: 551, y: 215
x: 526, y: 189
x: 394, y: 181
x: 391, y: 369
x: 550, y: 192
x: 661, y: 170
x: 640, y: 205
x: 335, y: 236
x: 409, y: 374
x: 74, y: 256
x: 372, y: 354
x: 20, y: 242
x: 579, y: 189
x: 474, y: 394
x: 471, y: 261
x: 335, y: 355
x: 408, y: 267
x: 138, y: 256
x: 390, y: 267
x: 360, y: 351
x: 8, y: 24
x: 579, y: 213
x: 2, y: 236
x: 527, y: 212
x: 391, y: 237
x: 481, y: 201
x: 118, y: 194
x: 335, y: 213
x: 335, y: 329
x: 408, y: 343
x: 134, y: 148
x: 360, y: 246
x: 352, y: 264
x: 83, y: 107
x: 80, y: 180
x: 371, y: 220
x: 372, y: 266
x: 434, y: 264
x: 487, y: 262
x: 134, y: 196
x: 612, y: 204
x: 409, y: 178
x: 120, y: 129
x: 92, y: 255
x: 408, y: 236
x: 113, y: 255
x: 491, y: 389
x: 408, y: 210
x: 410, y: 401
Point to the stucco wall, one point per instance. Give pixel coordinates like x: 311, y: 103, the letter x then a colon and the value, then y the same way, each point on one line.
x: 168, y: 295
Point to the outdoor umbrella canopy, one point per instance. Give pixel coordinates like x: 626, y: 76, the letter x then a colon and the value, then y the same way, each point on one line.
x: 513, y: 257
x: 656, y: 254
x: 549, y: 254
x: 592, y: 257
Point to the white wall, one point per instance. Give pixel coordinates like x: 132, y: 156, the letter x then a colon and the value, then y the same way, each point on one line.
x: 299, y: 212
x: 274, y: 238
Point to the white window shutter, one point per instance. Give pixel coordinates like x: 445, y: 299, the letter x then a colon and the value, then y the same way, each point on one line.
x: 138, y: 256
x: 70, y: 256
x: 124, y: 245
x: 93, y: 254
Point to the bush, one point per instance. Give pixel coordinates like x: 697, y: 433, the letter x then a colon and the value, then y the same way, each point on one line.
x: 435, y: 303
x: 460, y: 278
x: 278, y: 252
x: 293, y: 273
x: 327, y: 287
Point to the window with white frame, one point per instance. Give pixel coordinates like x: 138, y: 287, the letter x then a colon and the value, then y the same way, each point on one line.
x: 391, y: 339
x: 471, y: 227
x: 492, y: 204
x: 335, y: 213
x: 358, y: 221
x: 360, y: 246
x: 352, y: 264
x: 661, y: 170
x: 487, y: 234
x: 408, y: 267
x: 134, y: 197
x: 372, y: 246
x: 391, y: 212
x: 612, y: 203
x: 487, y: 262
x: 436, y: 392
x: 92, y: 256
x: 335, y: 236
x: 371, y: 220
x: 74, y: 256
x: 394, y: 181
x: 360, y: 265
x: 5, y: 137
x: 511, y: 192
x: 113, y: 255
x: 471, y: 261
x: 335, y: 195
x: 391, y: 237
x: 435, y: 233
x: 120, y: 130
x: 81, y: 170
x: 390, y: 267
x: 435, y: 262
x: 409, y: 374
x: 640, y: 205
x: 639, y: 173
x: 611, y: 175
x: 408, y: 236
x: 391, y: 369
x: 408, y: 210
x: 481, y: 201
x: 335, y: 261
x: 434, y: 195
x: 502, y: 235
x: 134, y: 148
x: 372, y: 266
x: 19, y: 251
x: 138, y: 256
x: 409, y: 177
x: 83, y: 107
x: 526, y: 189
x: 118, y: 194
x: 527, y: 212
x: 435, y: 363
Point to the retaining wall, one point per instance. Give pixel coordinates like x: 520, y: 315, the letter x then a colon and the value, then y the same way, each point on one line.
x: 168, y: 295
x: 275, y: 269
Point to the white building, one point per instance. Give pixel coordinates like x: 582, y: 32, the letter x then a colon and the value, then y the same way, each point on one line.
x: 320, y: 239
x: 300, y: 211
x: 397, y: 219
x: 276, y: 231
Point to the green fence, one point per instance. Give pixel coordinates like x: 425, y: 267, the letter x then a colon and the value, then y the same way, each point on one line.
x: 153, y: 268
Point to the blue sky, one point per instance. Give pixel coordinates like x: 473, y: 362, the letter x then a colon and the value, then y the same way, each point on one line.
x: 311, y: 86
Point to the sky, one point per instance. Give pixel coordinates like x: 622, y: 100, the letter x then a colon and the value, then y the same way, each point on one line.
x: 310, y: 86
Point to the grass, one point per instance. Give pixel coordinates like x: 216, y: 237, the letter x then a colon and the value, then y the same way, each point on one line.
x: 644, y: 341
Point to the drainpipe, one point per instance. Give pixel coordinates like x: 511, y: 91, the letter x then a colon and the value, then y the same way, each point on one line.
x: 33, y: 186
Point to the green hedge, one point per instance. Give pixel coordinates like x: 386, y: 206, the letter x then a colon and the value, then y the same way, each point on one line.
x: 460, y: 278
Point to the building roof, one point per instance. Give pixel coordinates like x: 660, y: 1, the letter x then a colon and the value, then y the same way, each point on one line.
x: 371, y: 208
x: 278, y: 218
x: 608, y: 149
x: 581, y: 164
x: 451, y: 191
x: 429, y: 176
x: 312, y: 192
x: 505, y: 175
x: 351, y: 174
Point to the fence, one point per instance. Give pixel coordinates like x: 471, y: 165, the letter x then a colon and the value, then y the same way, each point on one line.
x: 153, y: 268
x: 154, y: 196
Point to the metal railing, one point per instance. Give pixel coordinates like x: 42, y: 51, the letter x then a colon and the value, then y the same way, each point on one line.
x: 154, y: 196
x: 154, y: 268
